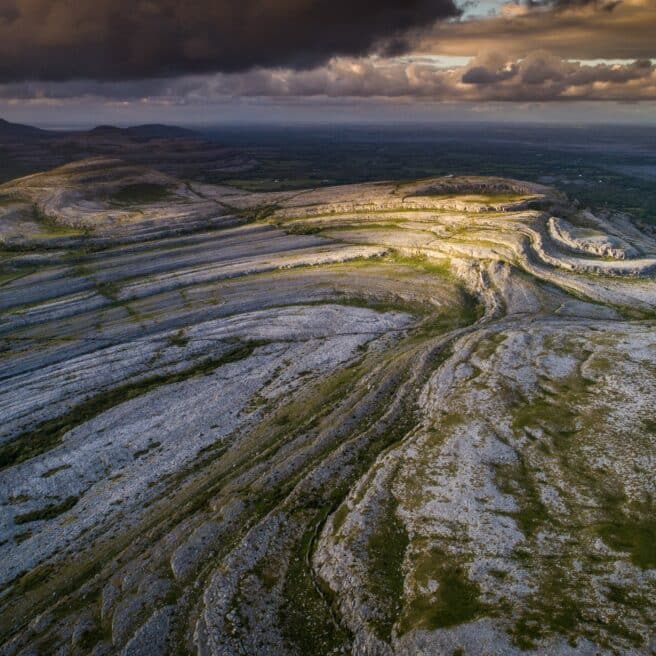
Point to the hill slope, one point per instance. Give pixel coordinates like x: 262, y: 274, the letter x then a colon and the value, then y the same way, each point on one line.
x: 389, y: 418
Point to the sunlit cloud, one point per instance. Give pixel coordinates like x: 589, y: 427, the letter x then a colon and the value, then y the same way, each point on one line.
x: 593, y: 30
x: 540, y: 76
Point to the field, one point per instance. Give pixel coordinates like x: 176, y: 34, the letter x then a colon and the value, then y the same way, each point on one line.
x: 610, y: 167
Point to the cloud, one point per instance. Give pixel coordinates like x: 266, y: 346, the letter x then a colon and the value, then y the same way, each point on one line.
x: 569, y: 29
x: 181, y: 52
x: 483, y: 75
x: 132, y: 39
x: 542, y: 76
x: 538, y: 77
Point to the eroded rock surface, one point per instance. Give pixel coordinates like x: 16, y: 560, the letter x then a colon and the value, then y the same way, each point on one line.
x: 373, y: 419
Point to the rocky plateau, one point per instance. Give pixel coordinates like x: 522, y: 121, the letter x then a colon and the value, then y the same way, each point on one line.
x: 385, y: 418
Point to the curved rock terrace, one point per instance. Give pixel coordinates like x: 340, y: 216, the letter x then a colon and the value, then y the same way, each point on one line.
x: 391, y: 418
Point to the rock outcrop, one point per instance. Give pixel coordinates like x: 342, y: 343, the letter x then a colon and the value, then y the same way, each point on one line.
x: 372, y: 419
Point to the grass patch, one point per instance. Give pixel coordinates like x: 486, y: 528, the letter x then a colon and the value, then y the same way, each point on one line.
x: 386, y: 550
x: 456, y: 600
x: 516, y: 479
x: 49, y: 512
x: 424, y: 264
x: 256, y: 214
x: 92, y: 635
x: 650, y: 425
x: 553, y: 609
x: 302, y: 229
x: 631, y: 530
x: 340, y: 517
x: 143, y: 452
x: 179, y: 339
x: 141, y: 193
x: 51, y: 228
x: 108, y: 289
x: 54, y: 470
x: 21, y: 537
x: 32, y: 579
x: 308, y: 622
x: 9, y: 275
x: 554, y: 418
x: 50, y: 433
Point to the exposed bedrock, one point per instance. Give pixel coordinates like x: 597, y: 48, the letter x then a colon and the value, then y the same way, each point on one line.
x: 391, y: 418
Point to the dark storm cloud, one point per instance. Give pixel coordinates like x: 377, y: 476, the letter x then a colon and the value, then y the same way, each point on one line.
x: 483, y: 75
x: 131, y: 39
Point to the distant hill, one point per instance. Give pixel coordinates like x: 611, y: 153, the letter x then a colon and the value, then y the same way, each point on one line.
x: 8, y: 129
x: 104, y: 130
x: 170, y: 149
x: 148, y: 131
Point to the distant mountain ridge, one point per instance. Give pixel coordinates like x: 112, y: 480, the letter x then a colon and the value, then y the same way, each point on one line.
x: 149, y: 130
x: 8, y: 129
x: 169, y: 149
x: 146, y: 131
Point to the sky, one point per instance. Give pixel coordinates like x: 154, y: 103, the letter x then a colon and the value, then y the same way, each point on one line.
x: 204, y: 62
